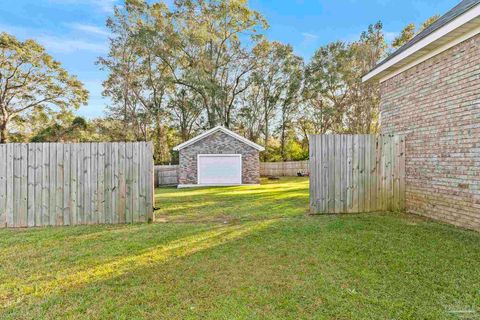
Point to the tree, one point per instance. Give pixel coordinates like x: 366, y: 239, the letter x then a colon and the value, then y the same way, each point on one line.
x: 186, y: 111
x: 411, y: 31
x: 427, y: 23
x: 59, y: 132
x: 405, y: 35
x: 364, y: 98
x: 160, y: 56
x: 336, y: 99
x: 214, y: 61
x: 138, y: 81
x: 30, y: 79
x: 326, y: 86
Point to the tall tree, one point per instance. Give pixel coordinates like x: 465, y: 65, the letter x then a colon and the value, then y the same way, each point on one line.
x: 214, y: 61
x: 272, y: 97
x: 159, y: 55
x: 186, y: 111
x: 364, y: 98
x: 411, y: 31
x: 326, y: 86
x: 30, y: 79
x: 139, y: 80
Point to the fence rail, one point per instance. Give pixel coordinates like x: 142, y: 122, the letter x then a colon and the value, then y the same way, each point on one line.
x: 283, y: 169
x: 53, y: 184
x: 357, y: 173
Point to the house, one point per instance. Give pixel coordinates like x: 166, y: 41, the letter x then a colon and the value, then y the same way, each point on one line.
x: 218, y: 157
x: 430, y: 91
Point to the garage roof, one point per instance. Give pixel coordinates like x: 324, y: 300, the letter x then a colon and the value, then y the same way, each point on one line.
x: 217, y: 129
x: 458, y: 24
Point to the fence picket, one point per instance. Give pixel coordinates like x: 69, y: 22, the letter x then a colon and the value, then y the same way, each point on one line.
x: 44, y: 184
x: 358, y: 173
x: 3, y: 185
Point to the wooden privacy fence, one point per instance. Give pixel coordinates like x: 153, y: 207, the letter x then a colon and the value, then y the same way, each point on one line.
x: 357, y: 173
x: 53, y: 184
x: 283, y: 169
x: 166, y: 175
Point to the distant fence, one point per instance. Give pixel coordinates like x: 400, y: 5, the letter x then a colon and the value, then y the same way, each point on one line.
x: 166, y: 175
x: 283, y: 169
x: 356, y: 173
x: 54, y: 184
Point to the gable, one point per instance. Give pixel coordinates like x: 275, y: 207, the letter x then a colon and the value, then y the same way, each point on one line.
x: 219, y: 142
x: 232, y: 137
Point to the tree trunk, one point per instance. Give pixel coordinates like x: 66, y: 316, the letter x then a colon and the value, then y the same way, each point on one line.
x: 265, y: 154
x: 3, y: 131
x: 282, y: 142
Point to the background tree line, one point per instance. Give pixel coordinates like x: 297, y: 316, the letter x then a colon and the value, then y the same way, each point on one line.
x: 174, y: 71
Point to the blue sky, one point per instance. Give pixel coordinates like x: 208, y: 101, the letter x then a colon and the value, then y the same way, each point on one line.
x: 73, y: 31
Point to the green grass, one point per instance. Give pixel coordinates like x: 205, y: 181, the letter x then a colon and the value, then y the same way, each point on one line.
x: 243, y: 253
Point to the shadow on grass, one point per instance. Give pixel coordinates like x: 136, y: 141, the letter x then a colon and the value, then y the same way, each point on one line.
x: 14, y: 290
x: 366, y: 266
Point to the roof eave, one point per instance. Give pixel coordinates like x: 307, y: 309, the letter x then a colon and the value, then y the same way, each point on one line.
x: 464, y: 26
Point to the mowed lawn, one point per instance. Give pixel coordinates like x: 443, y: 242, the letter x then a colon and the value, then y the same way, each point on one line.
x: 243, y: 253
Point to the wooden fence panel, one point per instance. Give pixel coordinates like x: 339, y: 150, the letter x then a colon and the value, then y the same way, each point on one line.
x: 283, y: 169
x: 3, y: 185
x: 53, y: 184
x: 166, y: 175
x: 357, y: 173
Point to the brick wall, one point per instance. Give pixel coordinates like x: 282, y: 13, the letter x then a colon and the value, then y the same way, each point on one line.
x: 437, y: 104
x: 218, y: 143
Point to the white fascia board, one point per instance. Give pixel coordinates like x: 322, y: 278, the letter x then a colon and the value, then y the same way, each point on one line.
x: 431, y: 54
x: 451, y: 26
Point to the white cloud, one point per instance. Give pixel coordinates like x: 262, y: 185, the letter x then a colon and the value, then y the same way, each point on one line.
x: 103, y: 5
x: 311, y: 36
x: 67, y: 45
x: 308, y: 39
x: 64, y: 44
x: 88, y: 28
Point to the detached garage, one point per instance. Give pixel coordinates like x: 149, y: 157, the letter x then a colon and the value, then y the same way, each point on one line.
x: 218, y: 157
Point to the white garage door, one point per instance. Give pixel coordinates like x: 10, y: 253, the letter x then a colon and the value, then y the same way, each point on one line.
x: 219, y: 169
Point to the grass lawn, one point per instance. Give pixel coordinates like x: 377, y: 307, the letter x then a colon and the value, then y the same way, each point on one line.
x: 243, y: 253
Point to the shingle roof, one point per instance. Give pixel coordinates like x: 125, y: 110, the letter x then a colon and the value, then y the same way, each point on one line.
x: 458, y: 10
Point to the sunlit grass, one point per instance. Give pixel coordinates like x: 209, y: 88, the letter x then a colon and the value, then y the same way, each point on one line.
x: 242, y: 253
x: 71, y: 278
x: 273, y: 199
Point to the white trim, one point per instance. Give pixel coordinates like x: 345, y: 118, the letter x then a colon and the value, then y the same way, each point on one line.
x: 466, y: 17
x: 219, y: 155
x: 439, y: 50
x: 224, y: 130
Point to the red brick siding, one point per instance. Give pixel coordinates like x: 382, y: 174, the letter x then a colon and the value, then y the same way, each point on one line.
x: 437, y: 105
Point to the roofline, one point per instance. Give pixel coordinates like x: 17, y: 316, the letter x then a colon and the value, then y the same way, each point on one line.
x: 216, y: 129
x: 468, y: 16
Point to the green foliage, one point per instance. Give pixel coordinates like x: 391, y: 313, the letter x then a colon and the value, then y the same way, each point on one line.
x: 57, y: 132
x: 411, y: 31
x: 337, y: 99
x: 405, y: 35
x: 31, y: 80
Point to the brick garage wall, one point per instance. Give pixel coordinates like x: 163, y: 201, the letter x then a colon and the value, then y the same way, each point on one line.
x: 219, y: 143
x: 437, y: 104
